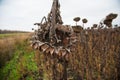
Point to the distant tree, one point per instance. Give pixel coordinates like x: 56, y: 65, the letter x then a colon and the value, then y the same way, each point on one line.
x: 0, y: 31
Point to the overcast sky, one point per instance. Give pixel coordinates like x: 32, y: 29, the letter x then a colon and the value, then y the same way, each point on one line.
x: 22, y: 14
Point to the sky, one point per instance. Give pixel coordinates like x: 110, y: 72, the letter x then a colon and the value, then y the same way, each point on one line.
x: 22, y: 14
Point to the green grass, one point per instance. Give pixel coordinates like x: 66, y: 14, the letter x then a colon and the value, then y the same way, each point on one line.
x: 22, y: 65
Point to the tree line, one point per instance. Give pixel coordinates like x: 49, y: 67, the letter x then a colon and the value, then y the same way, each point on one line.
x: 11, y: 31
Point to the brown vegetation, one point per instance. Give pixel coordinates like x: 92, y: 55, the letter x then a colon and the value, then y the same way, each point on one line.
x: 96, y: 58
x: 97, y: 55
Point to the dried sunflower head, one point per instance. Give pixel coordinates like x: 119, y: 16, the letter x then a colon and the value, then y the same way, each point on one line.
x: 109, y: 18
x: 95, y: 25
x: 84, y: 20
x: 76, y: 19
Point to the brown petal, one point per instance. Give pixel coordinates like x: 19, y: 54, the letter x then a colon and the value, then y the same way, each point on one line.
x: 44, y: 47
x: 50, y: 50
x: 40, y: 44
x: 63, y: 52
x: 35, y: 46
